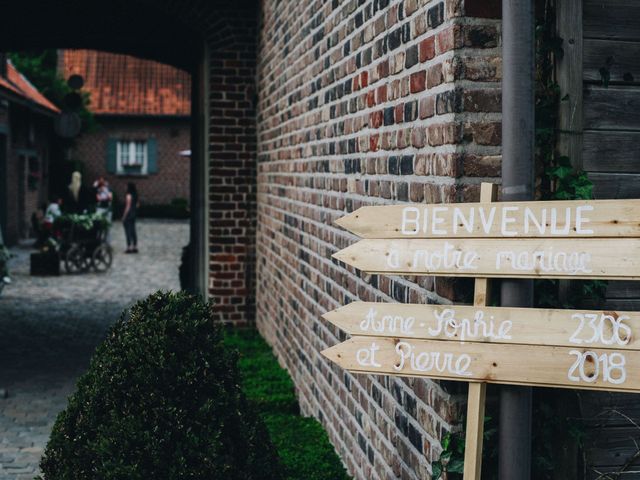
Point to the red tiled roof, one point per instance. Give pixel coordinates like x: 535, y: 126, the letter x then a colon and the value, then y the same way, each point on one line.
x: 18, y: 84
x: 124, y: 85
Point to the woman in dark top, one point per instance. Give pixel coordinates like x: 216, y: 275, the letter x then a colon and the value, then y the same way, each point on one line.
x: 129, y: 218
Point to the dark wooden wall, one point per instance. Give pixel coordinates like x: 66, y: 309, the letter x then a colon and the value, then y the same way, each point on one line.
x: 611, y: 137
x: 611, y: 99
x: 601, y: 134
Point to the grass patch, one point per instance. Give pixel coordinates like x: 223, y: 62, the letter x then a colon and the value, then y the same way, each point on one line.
x: 302, y: 443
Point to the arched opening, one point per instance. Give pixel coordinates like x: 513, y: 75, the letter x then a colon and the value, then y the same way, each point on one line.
x: 141, y: 29
x: 215, y: 44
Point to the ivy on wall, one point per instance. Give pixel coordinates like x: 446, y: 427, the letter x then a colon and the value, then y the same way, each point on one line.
x: 41, y: 68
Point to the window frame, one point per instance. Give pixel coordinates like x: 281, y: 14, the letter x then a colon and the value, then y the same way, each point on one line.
x: 131, y: 149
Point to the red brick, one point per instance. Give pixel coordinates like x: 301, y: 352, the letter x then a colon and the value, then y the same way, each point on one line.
x: 399, y: 113
x: 371, y: 98
x: 418, y: 81
x: 381, y: 94
x: 364, y: 79
x: 427, y: 49
x: 376, y: 119
x: 383, y: 69
x: 373, y: 142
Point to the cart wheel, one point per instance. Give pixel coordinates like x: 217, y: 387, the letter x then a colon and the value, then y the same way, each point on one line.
x: 75, y: 261
x: 102, y: 258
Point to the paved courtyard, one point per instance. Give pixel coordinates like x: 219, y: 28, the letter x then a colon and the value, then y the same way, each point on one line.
x: 50, y: 325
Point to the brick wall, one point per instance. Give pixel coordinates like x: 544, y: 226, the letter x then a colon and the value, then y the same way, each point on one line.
x: 172, y: 135
x: 366, y: 102
x: 231, y: 36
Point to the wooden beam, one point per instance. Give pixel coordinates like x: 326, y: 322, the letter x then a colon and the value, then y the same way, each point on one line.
x: 614, y: 19
x: 614, y: 108
x: 550, y: 219
x: 533, y: 365
x: 569, y: 75
x: 588, y: 258
x: 606, y: 329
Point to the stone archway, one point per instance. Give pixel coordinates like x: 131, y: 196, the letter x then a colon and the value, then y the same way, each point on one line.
x: 216, y: 42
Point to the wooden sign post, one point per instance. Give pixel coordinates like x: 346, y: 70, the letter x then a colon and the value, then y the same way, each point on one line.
x: 477, y: 390
x: 480, y: 344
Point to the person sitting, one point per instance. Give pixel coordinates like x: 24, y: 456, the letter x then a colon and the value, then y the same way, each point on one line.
x: 53, y: 211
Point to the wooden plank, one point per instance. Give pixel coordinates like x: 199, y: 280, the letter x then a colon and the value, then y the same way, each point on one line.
x: 507, y: 325
x: 474, y: 430
x: 569, y: 76
x: 613, y: 446
x: 604, y: 409
x: 574, y: 218
x: 616, y: 19
x: 626, y: 304
x: 620, y: 59
x: 615, y: 152
x: 589, y: 258
x: 593, y: 369
x: 615, y: 185
x: 623, y: 290
x: 613, y: 108
x: 474, y: 436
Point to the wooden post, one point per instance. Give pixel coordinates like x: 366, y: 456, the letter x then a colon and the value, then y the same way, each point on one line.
x: 477, y: 390
x: 569, y: 73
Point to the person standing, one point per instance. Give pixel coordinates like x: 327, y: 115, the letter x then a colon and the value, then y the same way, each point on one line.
x: 129, y: 218
x: 77, y: 198
x: 104, y: 198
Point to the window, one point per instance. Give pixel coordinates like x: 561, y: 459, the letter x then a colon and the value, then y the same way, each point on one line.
x: 132, y: 157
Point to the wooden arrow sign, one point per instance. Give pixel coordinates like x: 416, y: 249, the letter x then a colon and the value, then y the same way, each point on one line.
x: 458, y: 323
x: 594, y: 369
x: 577, y: 219
x: 515, y: 258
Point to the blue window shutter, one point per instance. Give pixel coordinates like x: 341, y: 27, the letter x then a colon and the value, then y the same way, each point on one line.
x: 152, y: 156
x: 112, y: 147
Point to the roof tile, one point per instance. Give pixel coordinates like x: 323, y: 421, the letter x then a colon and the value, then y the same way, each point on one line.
x: 19, y: 85
x: 125, y: 85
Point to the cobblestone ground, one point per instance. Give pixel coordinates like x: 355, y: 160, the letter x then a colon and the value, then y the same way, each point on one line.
x: 50, y: 325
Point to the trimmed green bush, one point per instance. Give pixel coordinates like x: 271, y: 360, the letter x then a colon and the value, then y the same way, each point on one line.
x: 161, y: 400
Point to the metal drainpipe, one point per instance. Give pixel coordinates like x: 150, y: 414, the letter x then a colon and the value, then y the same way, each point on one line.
x: 518, y: 97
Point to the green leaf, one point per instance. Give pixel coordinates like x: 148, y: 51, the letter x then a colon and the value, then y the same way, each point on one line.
x: 436, y: 470
x: 456, y: 466
x: 561, y: 172
x: 460, y: 446
x: 446, y: 441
